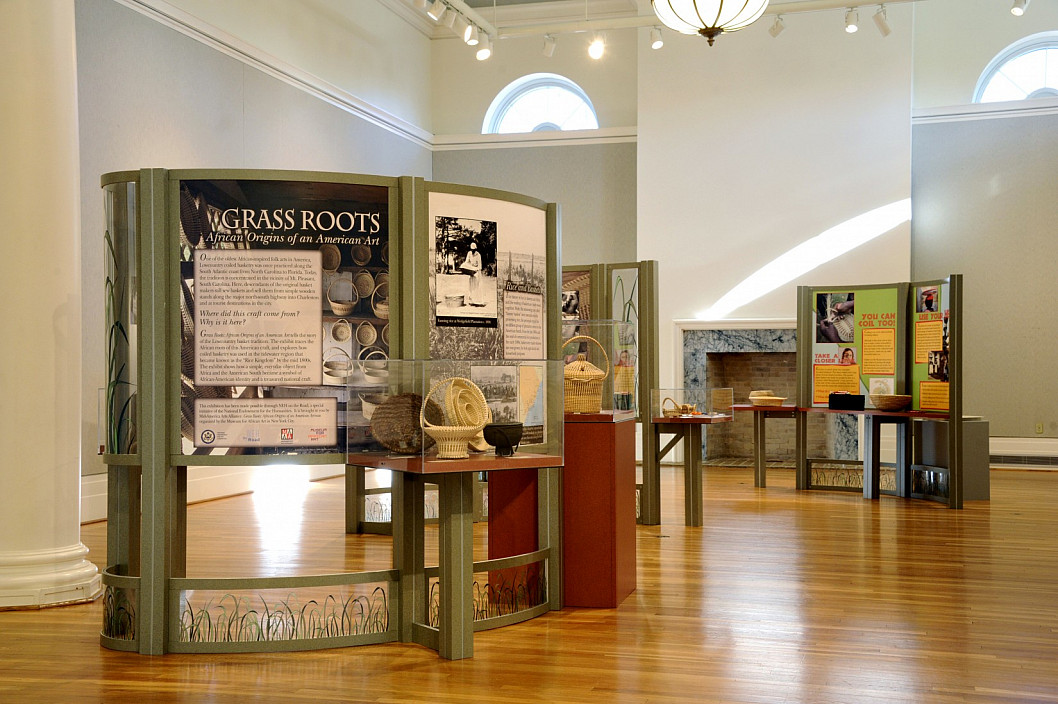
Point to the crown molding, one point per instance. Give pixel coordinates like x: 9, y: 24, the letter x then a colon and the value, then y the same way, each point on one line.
x: 464, y: 142
x: 191, y: 26
x: 985, y: 111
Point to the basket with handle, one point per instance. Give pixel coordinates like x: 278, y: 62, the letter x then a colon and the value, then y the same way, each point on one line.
x: 667, y: 412
x: 453, y: 440
x: 583, y: 380
x: 374, y: 363
x: 339, y: 304
x: 380, y: 300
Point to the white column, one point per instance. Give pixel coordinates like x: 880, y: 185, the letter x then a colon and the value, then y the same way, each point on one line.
x: 42, y: 559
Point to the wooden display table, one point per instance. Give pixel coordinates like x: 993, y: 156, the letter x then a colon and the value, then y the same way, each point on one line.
x: 599, y: 508
x: 453, y: 636
x: 760, y: 416
x: 871, y: 445
x: 688, y: 429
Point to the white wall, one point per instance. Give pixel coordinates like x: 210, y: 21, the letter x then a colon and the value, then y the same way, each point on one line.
x: 463, y: 87
x: 594, y: 184
x: 764, y: 143
x: 362, y: 47
x: 956, y: 39
x: 149, y: 96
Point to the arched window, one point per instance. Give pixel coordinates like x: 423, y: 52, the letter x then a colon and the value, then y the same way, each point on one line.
x: 1028, y: 68
x: 539, y: 102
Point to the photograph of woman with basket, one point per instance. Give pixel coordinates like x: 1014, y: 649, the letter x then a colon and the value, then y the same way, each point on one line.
x: 467, y: 294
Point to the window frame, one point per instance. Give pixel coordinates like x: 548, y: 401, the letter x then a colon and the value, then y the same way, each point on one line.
x: 514, y: 91
x: 1025, y: 45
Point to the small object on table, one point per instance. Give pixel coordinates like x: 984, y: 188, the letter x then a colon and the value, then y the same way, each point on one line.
x: 765, y: 398
x: 891, y: 402
x: 505, y: 437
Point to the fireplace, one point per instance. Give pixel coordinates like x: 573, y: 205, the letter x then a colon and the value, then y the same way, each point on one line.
x: 750, y: 358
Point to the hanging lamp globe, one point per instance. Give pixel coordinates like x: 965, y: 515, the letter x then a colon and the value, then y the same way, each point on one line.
x: 709, y: 18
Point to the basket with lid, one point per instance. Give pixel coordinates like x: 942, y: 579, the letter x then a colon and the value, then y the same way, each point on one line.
x: 583, y: 380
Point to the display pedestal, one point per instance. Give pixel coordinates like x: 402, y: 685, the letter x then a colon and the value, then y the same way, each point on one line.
x: 599, y: 509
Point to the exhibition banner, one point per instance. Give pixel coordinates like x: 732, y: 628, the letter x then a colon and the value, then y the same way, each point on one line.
x: 285, y: 295
x: 929, y: 372
x: 856, y: 340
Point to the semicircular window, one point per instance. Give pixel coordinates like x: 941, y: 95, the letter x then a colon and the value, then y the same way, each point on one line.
x: 1026, y: 69
x: 540, y: 102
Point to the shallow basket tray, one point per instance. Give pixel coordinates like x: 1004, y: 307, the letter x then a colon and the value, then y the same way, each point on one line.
x: 891, y: 402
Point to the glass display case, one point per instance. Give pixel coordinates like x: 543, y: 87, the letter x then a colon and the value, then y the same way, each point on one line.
x: 612, y: 346
x: 430, y: 416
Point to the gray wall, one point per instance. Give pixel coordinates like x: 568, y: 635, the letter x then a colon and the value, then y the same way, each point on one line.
x: 149, y: 96
x: 595, y: 185
x: 985, y: 195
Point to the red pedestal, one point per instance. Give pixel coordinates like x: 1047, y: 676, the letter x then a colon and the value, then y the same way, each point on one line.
x: 599, y: 509
x: 512, y: 513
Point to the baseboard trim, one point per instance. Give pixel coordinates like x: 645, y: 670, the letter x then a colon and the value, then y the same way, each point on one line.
x: 203, y: 484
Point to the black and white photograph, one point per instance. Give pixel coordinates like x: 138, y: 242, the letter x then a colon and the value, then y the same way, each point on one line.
x: 499, y: 384
x: 465, y: 272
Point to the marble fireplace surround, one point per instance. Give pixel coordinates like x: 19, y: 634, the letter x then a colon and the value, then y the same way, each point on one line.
x: 695, y: 339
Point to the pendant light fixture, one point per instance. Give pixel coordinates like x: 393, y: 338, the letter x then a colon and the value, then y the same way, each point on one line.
x: 709, y: 18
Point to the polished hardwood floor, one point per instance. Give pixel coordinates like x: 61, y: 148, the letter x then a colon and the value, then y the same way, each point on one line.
x: 782, y: 596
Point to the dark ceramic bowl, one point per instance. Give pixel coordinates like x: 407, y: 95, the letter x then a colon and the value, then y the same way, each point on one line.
x: 504, y: 437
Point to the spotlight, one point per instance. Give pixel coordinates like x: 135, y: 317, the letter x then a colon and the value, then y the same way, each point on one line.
x: 461, y: 26
x: 549, y: 46
x: 450, y: 18
x: 484, y: 49
x: 882, y: 22
x: 1019, y: 7
x: 656, y: 42
x: 437, y: 10
x: 422, y: 4
x: 852, y: 20
x: 470, y: 36
x: 777, y: 28
x: 597, y: 47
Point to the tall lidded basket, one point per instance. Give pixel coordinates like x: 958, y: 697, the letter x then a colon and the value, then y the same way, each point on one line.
x: 583, y: 380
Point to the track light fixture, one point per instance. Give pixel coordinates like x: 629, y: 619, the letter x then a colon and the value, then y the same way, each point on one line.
x: 656, y: 42
x: 852, y: 20
x: 437, y: 10
x: 597, y: 47
x: 1019, y: 7
x: 484, y: 49
x: 777, y: 27
x: 882, y: 22
x: 450, y: 18
x: 549, y: 46
x: 470, y: 36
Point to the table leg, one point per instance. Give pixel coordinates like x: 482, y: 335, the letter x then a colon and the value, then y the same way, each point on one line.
x: 903, y: 458
x: 456, y: 566
x: 803, y: 477
x: 759, y: 449
x: 872, y: 457
x: 692, y: 475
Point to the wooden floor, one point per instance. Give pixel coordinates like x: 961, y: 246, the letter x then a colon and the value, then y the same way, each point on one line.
x: 782, y: 596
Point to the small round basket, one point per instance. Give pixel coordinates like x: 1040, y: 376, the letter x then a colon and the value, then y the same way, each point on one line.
x: 341, y: 303
x: 364, y: 283
x: 453, y: 441
x: 366, y: 334
x: 583, y: 380
x: 667, y: 412
x: 341, y: 331
x: 891, y: 402
x: 330, y: 257
x: 361, y: 254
